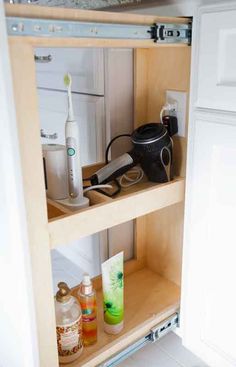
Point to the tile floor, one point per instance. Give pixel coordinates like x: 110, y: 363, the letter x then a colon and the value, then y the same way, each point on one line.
x: 168, y: 352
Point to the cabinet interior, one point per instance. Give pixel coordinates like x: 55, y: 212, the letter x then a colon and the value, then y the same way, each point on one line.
x: 153, y: 277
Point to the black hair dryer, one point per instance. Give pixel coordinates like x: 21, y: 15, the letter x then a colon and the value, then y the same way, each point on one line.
x: 152, y: 149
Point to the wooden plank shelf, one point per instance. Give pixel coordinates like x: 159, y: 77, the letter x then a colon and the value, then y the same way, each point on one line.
x: 149, y: 299
x: 44, y: 12
x: 143, y: 198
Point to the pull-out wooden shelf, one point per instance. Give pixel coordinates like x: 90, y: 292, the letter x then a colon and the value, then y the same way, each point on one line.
x: 149, y: 299
x: 143, y: 198
x: 151, y: 294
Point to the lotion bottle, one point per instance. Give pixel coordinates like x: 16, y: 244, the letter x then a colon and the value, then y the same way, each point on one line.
x: 87, y: 299
x: 113, y: 293
x: 68, y: 325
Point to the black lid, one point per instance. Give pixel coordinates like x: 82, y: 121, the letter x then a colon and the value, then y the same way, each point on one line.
x: 148, y: 133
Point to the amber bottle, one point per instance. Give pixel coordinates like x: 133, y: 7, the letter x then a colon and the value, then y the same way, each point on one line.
x: 87, y: 299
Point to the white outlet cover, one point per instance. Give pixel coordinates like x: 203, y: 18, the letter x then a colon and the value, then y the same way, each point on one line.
x: 181, y: 99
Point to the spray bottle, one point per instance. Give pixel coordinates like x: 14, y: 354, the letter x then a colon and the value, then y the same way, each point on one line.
x: 87, y: 299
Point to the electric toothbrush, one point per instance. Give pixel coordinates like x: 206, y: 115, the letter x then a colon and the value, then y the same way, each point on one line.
x: 76, y: 198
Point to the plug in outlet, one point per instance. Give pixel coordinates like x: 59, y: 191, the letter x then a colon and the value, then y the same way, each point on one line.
x: 179, y: 99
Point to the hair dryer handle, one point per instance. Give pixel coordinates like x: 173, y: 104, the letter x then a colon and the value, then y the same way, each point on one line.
x: 114, y: 169
x: 165, y: 157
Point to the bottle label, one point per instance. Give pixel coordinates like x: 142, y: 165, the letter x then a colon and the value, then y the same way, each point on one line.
x: 88, y: 318
x: 88, y: 310
x: 69, y: 338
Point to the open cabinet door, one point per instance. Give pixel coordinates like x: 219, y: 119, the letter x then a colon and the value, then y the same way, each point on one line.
x: 18, y: 336
x: 209, y: 272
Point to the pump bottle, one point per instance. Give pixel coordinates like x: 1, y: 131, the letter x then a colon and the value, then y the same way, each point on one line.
x: 68, y: 325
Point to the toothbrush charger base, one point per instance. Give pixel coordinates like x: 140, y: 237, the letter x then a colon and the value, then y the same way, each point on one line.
x: 75, y: 205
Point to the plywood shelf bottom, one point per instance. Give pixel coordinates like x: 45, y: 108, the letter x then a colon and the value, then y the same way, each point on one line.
x: 149, y: 299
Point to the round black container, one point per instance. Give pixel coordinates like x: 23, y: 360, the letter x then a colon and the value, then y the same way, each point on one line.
x: 148, y: 141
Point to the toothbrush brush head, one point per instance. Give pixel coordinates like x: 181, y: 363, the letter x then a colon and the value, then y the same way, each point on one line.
x: 67, y: 80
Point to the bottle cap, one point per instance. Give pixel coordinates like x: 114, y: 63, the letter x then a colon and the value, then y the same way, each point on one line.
x: 86, y: 285
x: 64, y: 293
x: 113, y: 329
x: 86, y: 280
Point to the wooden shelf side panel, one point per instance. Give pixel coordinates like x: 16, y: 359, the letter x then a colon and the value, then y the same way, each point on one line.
x: 23, y: 71
x: 165, y: 242
x: 164, y: 228
x: 171, y: 72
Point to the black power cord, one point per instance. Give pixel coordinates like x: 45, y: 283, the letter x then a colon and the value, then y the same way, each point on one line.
x: 107, y: 161
x: 111, y: 142
x: 117, y: 191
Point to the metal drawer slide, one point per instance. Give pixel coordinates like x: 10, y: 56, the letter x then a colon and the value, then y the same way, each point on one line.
x: 155, y: 334
x: 158, y: 32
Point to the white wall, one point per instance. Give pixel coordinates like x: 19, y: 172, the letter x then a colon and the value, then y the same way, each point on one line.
x: 174, y: 7
x: 18, y: 342
x: 177, y: 8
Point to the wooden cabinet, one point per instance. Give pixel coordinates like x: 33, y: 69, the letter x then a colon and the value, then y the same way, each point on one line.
x: 216, y: 68
x: 208, y: 271
x: 153, y: 276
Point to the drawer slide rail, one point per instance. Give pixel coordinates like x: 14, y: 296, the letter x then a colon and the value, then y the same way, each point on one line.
x: 160, y: 33
x: 155, y: 334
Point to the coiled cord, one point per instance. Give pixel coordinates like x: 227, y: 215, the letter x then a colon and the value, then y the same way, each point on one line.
x: 132, y: 177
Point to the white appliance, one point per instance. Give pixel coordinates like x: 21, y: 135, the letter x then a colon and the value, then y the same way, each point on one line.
x: 55, y: 171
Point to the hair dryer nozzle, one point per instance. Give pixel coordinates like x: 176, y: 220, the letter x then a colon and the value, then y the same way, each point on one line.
x: 115, y: 168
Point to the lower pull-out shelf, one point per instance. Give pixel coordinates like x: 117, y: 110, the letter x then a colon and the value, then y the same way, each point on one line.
x: 149, y: 299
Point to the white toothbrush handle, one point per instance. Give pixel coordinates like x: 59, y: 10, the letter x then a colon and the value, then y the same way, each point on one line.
x: 73, y: 161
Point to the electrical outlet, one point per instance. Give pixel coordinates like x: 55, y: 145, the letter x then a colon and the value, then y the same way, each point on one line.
x: 180, y: 98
